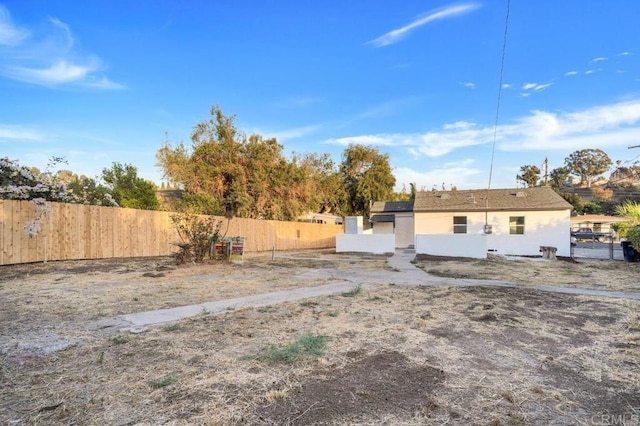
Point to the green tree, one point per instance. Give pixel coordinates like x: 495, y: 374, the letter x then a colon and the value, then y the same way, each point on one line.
x: 591, y: 207
x: 588, y: 164
x: 529, y: 174
x: 226, y: 172
x: 573, y: 199
x: 89, y: 191
x: 324, y: 183
x: 559, y: 177
x: 128, y: 189
x: 367, y: 177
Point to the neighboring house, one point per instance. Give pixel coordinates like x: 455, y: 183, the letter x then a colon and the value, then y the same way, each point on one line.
x: 473, y: 223
x: 597, y: 223
x: 321, y: 218
x: 394, y: 217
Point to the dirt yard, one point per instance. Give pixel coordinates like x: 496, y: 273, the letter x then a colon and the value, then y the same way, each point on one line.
x: 385, y: 354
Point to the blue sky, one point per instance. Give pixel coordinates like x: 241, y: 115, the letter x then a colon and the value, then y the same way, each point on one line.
x: 102, y: 81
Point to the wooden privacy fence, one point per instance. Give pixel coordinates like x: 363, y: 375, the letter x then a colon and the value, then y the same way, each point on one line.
x: 76, y: 231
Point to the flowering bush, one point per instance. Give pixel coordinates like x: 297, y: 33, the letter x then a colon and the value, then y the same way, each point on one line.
x: 19, y: 183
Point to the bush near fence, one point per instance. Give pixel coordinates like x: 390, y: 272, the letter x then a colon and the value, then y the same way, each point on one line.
x: 77, y: 231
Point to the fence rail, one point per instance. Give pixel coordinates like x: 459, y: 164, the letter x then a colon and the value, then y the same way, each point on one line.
x: 76, y: 231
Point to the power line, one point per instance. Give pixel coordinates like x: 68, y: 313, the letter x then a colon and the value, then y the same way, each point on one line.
x: 495, y: 125
x: 487, y: 227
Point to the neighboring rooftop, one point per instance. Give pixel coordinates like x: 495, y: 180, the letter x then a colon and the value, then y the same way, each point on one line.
x: 392, y: 206
x: 539, y: 198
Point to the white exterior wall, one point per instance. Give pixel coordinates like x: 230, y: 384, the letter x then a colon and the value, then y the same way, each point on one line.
x: 453, y: 245
x: 542, y: 228
x: 366, y: 243
x: 383, y: 228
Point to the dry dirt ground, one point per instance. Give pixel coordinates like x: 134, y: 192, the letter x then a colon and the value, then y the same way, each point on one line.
x: 387, y: 354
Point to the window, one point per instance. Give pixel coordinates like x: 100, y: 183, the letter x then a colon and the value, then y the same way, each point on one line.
x: 459, y: 224
x: 516, y: 225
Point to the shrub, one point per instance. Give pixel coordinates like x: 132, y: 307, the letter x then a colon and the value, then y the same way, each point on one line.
x: 197, y: 234
x: 633, y: 235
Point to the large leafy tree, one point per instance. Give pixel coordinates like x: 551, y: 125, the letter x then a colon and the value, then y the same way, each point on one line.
x: 129, y: 190
x: 224, y: 171
x: 588, y: 164
x: 529, y: 174
x: 559, y: 177
x: 327, y: 193
x: 367, y: 177
x: 89, y: 191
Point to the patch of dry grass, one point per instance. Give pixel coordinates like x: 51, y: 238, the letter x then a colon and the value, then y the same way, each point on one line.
x: 599, y: 275
x: 483, y: 355
x: 507, y: 356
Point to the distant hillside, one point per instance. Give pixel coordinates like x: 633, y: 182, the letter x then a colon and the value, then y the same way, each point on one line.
x: 594, y: 193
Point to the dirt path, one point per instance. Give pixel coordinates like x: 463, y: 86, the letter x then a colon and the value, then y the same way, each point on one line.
x: 402, y: 272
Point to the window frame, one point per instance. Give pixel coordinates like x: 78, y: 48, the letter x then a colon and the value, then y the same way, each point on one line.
x: 460, y: 228
x: 515, y: 225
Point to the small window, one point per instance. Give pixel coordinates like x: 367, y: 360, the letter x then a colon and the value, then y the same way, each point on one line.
x: 459, y: 224
x: 516, y: 225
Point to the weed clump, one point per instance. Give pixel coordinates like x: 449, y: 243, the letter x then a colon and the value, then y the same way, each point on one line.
x: 163, y: 381
x: 353, y: 292
x: 307, y: 346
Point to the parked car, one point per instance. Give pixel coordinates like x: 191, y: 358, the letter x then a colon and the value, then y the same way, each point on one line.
x: 588, y: 234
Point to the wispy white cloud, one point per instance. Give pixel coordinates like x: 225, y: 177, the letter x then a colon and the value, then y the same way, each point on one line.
x: 570, y: 73
x: 49, y: 58
x: 298, y: 101
x: 603, y: 126
x: 469, y: 85
x: 529, y: 88
x: 536, y: 87
x: 613, y: 125
x: 599, y: 59
x: 10, y: 34
x: 387, y: 108
x: 398, y: 34
x: 449, y: 173
x: 430, y: 144
x: 625, y: 53
x: 16, y: 133
x: 289, y: 134
x: 104, y: 83
x: 58, y: 73
x: 459, y: 125
x: 507, y: 85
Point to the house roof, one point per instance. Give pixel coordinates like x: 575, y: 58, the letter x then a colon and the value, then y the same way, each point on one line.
x: 392, y: 206
x: 539, y: 198
x: 377, y: 218
x: 597, y: 218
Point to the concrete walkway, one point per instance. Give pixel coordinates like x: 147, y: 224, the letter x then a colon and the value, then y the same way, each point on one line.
x: 401, y: 272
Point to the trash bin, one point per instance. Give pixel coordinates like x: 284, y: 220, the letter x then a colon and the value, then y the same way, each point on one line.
x: 630, y: 254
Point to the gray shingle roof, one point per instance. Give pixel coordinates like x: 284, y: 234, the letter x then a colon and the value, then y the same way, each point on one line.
x: 539, y: 198
x: 377, y: 218
x: 392, y: 206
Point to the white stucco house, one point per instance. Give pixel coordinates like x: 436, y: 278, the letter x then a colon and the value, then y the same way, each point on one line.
x: 475, y: 223
x: 394, y: 217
